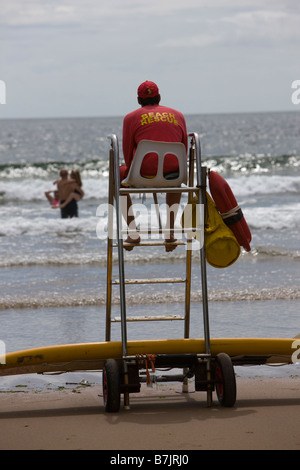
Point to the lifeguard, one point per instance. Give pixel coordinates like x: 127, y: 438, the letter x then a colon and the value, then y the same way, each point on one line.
x: 152, y: 122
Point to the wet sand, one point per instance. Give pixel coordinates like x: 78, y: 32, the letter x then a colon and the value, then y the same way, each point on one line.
x: 266, y: 417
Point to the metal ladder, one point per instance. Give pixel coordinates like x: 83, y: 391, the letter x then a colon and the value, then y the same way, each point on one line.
x: 194, y: 166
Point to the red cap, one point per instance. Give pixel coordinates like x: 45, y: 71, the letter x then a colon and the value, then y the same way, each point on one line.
x: 148, y: 90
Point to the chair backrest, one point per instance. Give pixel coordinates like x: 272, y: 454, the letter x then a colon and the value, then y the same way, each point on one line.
x: 135, y: 179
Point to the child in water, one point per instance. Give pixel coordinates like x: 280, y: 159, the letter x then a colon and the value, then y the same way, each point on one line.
x: 53, y: 200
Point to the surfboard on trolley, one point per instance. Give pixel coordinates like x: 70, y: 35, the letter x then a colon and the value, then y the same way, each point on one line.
x: 92, y: 356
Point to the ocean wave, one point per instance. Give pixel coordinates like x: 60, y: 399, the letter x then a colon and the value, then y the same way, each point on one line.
x: 275, y: 217
x: 260, y: 185
x: 243, y: 187
x: 32, y: 223
x: 98, y: 167
x: 88, y: 300
x: 50, y: 258
x: 85, y: 258
x: 92, y: 224
x: 34, y: 190
x: 252, y: 163
x: 90, y: 169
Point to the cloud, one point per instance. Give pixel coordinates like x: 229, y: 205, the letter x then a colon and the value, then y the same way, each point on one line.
x: 266, y: 26
x: 57, y: 13
x: 191, y: 23
x: 32, y: 13
x: 200, y: 40
x: 45, y: 12
x: 251, y: 27
x: 81, y: 54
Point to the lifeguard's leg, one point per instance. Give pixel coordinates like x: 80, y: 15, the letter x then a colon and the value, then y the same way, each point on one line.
x: 172, y: 200
x: 127, y: 212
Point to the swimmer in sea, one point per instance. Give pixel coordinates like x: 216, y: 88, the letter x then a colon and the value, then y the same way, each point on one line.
x: 65, y: 187
x: 77, y: 192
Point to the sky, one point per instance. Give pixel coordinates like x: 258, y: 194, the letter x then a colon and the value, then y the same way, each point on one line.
x: 75, y: 58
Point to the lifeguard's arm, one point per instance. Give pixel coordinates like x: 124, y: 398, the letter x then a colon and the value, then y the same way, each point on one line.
x: 128, y: 141
x: 185, y: 135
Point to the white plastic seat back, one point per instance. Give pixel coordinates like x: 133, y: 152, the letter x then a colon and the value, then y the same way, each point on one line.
x: 135, y: 179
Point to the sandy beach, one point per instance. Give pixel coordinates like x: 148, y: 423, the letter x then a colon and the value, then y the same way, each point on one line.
x: 265, y: 417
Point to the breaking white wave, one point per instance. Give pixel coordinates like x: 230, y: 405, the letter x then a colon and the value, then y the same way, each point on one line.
x: 257, y: 185
x: 57, y: 300
x: 243, y: 187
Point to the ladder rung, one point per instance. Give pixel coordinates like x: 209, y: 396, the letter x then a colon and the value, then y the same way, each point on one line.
x: 150, y: 318
x: 171, y: 189
x: 159, y: 231
x: 153, y: 235
x: 151, y: 281
x: 152, y: 243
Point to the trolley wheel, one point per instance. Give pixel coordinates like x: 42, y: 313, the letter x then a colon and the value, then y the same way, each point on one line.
x: 111, y: 386
x: 225, y: 380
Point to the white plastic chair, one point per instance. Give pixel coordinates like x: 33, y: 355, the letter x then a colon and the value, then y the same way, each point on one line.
x: 134, y: 177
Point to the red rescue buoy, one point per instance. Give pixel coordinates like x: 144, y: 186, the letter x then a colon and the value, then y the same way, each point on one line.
x: 229, y: 209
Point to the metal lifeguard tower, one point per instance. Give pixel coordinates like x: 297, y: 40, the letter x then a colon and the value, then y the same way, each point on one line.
x: 124, y: 376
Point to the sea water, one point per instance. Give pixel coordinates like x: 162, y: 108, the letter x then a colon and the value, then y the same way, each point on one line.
x: 53, y: 271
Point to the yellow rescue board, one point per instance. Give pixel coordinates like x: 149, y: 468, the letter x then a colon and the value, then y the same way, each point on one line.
x: 92, y: 356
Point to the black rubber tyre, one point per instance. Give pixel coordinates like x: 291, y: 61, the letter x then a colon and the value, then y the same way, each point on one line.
x: 225, y: 380
x: 111, y: 386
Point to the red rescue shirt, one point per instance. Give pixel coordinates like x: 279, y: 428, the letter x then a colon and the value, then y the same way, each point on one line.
x: 153, y: 122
